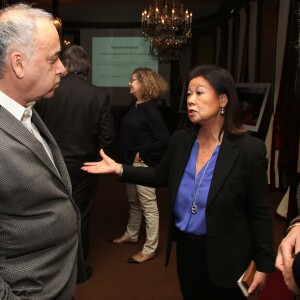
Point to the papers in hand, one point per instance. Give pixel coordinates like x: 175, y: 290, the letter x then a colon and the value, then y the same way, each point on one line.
x: 246, y: 279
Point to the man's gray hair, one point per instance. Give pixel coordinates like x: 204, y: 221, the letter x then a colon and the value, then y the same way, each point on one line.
x: 17, y: 30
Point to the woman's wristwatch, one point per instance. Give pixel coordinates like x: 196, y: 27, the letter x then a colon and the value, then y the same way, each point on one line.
x: 121, y: 170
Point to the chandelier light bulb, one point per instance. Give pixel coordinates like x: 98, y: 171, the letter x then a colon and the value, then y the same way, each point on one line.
x: 168, y: 27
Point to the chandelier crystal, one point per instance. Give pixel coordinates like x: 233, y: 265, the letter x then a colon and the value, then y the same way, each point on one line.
x: 57, y: 23
x: 168, y: 27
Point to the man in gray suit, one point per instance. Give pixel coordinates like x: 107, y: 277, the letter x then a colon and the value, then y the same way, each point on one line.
x: 40, y: 252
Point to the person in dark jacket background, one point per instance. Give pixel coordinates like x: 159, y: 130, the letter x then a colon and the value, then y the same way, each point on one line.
x: 78, y: 116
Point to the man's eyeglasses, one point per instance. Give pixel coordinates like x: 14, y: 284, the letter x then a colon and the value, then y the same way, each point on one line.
x: 132, y: 79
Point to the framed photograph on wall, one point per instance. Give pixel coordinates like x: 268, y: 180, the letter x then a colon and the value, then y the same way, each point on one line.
x: 253, y: 98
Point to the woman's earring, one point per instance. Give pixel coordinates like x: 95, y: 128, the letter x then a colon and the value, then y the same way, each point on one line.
x: 222, y: 111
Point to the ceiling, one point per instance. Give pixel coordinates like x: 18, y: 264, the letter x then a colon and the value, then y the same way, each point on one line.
x: 120, y: 11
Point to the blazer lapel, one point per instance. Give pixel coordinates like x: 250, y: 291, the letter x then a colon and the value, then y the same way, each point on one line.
x: 226, y: 159
x: 57, y: 156
x: 184, y: 154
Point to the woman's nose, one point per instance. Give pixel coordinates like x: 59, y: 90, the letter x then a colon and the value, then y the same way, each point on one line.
x: 190, y: 99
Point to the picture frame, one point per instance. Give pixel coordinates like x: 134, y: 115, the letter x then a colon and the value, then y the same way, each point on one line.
x: 253, y: 98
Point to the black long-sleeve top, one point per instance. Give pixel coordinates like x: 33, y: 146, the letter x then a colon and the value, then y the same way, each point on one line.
x: 143, y: 130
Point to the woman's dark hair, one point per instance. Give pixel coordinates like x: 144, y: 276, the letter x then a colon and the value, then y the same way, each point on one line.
x: 75, y: 59
x: 223, y: 83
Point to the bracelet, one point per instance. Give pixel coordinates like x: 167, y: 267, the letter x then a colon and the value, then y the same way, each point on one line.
x: 121, y: 171
x: 293, y: 225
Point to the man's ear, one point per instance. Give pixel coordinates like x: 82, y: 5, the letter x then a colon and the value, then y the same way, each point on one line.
x: 223, y: 100
x: 17, y: 64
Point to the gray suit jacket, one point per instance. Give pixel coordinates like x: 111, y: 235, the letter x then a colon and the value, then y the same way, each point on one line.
x: 39, y: 222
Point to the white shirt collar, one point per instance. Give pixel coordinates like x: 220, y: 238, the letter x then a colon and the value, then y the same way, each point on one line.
x: 16, y: 109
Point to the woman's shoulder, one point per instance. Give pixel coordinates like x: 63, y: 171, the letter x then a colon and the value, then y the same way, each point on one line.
x: 149, y: 107
x: 246, y: 139
x: 247, y: 143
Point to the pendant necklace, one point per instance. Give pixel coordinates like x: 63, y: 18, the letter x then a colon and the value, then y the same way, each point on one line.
x: 204, y: 150
x: 194, y: 205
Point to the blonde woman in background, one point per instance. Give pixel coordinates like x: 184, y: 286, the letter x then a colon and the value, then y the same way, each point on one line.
x: 144, y: 138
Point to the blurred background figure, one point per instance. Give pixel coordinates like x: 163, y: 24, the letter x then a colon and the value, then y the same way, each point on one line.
x: 143, y: 140
x: 79, y: 118
x: 247, y: 112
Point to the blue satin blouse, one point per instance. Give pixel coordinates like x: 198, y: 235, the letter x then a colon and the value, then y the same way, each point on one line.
x: 185, y: 220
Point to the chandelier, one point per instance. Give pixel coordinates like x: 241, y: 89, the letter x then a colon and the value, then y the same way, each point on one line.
x: 168, y: 27
x: 57, y: 23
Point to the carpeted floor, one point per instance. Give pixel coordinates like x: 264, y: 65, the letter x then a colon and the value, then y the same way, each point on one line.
x: 115, y: 279
x: 275, y: 289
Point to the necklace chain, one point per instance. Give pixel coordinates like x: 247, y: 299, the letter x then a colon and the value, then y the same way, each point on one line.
x: 203, y: 151
x: 194, y: 204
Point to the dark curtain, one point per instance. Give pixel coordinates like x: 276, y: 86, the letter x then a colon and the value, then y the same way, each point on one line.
x: 286, y: 119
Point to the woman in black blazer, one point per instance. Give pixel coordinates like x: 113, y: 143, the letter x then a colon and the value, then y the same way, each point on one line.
x: 217, y: 177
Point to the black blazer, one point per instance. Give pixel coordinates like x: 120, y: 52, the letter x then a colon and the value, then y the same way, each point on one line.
x: 239, y: 225
x: 79, y: 118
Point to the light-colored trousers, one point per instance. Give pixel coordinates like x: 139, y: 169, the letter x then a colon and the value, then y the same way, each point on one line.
x: 142, y: 201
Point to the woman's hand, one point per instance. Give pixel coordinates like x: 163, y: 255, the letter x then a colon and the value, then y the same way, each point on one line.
x: 106, y: 165
x: 258, y: 284
x: 287, y: 249
x: 289, y: 279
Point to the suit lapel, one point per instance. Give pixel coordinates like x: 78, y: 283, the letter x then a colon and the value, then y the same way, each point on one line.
x: 57, y: 156
x: 14, y: 128
x: 226, y: 159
